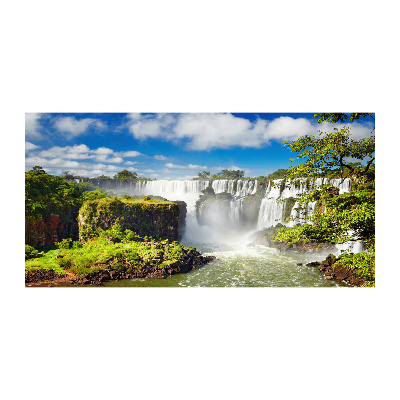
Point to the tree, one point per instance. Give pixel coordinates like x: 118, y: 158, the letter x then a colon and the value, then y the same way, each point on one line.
x: 341, y: 117
x: 330, y: 151
x: 279, y: 174
x: 228, y: 174
x: 203, y: 175
x: 68, y: 175
x: 125, y: 174
x: 38, y: 170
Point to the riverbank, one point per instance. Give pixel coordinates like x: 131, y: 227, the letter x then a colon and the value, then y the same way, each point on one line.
x: 114, y: 255
x: 354, y: 269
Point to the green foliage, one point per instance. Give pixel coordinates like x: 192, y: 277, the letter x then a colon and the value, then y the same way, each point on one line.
x: 125, y: 174
x: 47, y: 194
x: 362, y: 264
x: 204, y: 175
x: 329, y: 151
x: 228, y: 174
x: 279, y: 174
x: 340, y: 117
x: 224, y: 174
x: 30, y: 252
x: 128, y: 253
x: 64, y: 244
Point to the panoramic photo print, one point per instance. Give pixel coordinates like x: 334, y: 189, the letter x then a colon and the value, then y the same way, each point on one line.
x: 200, y: 199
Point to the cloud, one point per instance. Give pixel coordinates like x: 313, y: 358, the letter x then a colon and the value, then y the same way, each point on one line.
x: 73, y: 127
x: 160, y: 157
x: 55, y: 162
x: 210, y: 131
x: 30, y: 146
x: 190, y: 166
x: 151, y: 125
x: 77, y: 152
x: 131, y: 162
x: 116, y: 160
x: 103, y: 151
x: 149, y: 170
x: 186, y: 177
x: 32, y: 126
x: 131, y: 153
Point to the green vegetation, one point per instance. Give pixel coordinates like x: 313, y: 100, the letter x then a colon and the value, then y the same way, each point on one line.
x: 113, y: 249
x: 125, y: 174
x: 47, y: 194
x: 279, y: 174
x: 341, y: 117
x: 338, y: 218
x: 30, y: 252
x: 224, y: 174
x: 362, y: 264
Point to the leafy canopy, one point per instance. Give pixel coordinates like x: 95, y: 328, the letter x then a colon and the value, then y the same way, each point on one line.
x: 331, y: 151
x: 224, y: 174
x: 47, y: 194
x: 125, y: 174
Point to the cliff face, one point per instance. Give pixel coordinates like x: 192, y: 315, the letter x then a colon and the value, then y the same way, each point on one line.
x: 214, y: 210
x: 145, y: 217
x: 50, y: 229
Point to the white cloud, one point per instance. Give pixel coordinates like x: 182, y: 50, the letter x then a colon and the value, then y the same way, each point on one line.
x: 153, y: 125
x: 44, y: 162
x: 131, y: 162
x: 116, y: 160
x: 215, y: 130
x: 131, y: 153
x: 77, y: 152
x: 32, y: 126
x: 103, y: 151
x: 186, y: 177
x: 190, y: 166
x: 73, y: 127
x: 30, y: 146
x: 160, y: 157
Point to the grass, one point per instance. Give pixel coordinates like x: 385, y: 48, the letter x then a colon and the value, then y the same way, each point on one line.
x: 113, y: 249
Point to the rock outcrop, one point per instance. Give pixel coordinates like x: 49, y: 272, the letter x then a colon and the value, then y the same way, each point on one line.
x: 51, y: 229
x: 145, y: 217
x: 332, y: 269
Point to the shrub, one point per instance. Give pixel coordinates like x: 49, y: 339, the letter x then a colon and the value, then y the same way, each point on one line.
x: 30, y: 252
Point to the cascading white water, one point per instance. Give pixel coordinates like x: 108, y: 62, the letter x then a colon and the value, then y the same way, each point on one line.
x: 272, y: 208
x: 237, y: 188
x: 189, y: 192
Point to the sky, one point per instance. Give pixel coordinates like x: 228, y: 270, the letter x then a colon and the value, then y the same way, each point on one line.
x: 168, y: 145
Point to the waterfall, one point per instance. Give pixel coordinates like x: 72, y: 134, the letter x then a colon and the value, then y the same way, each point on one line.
x: 271, y: 212
x: 272, y: 209
x: 237, y: 188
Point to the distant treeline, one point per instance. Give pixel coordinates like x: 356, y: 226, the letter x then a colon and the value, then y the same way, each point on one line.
x: 281, y: 174
x: 125, y: 174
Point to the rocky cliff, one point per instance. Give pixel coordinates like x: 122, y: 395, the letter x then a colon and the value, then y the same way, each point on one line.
x: 156, y: 218
x: 50, y: 229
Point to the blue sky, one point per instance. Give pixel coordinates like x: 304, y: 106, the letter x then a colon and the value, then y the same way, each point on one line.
x: 167, y: 146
